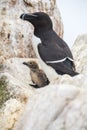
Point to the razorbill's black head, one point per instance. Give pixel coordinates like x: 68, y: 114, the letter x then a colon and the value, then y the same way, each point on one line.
x: 51, y: 49
x: 40, y: 20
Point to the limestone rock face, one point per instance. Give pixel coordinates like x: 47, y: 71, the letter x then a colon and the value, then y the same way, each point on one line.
x: 14, y: 91
x: 57, y: 107
x: 16, y: 34
x: 80, y: 53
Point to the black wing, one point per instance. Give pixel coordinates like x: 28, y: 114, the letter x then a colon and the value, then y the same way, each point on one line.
x: 56, y: 51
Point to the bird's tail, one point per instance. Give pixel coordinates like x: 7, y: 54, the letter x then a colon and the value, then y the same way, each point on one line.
x: 74, y: 73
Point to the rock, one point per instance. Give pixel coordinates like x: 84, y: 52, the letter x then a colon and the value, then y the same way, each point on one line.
x: 56, y: 107
x: 10, y: 113
x: 15, y: 34
x: 14, y: 91
x: 79, y: 50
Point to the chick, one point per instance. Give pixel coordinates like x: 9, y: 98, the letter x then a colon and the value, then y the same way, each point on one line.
x: 38, y: 76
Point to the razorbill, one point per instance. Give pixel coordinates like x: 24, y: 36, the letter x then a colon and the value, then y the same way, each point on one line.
x: 38, y: 76
x: 51, y: 50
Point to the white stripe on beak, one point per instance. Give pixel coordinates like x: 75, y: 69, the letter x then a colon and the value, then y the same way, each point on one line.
x: 33, y: 15
x: 23, y: 16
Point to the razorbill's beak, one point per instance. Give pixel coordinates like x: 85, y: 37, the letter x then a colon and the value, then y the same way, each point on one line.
x: 25, y: 63
x: 27, y: 16
x: 22, y: 16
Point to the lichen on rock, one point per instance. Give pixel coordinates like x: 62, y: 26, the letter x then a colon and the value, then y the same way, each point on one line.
x: 4, y: 93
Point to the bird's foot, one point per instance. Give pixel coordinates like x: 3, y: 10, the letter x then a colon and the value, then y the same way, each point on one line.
x: 34, y: 85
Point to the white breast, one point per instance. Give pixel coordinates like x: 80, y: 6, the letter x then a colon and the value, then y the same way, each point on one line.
x: 50, y: 72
